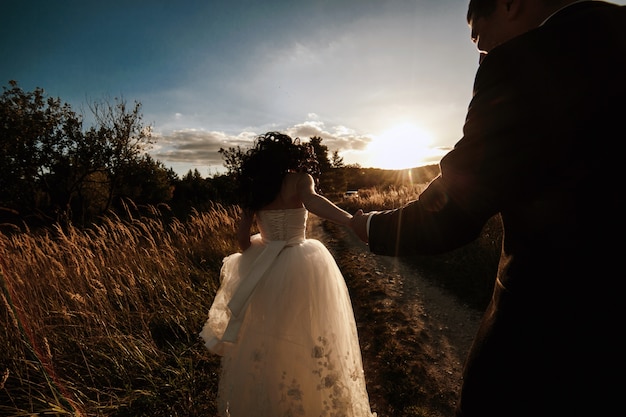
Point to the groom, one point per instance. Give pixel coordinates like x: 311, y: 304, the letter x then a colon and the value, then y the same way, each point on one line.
x: 539, y: 149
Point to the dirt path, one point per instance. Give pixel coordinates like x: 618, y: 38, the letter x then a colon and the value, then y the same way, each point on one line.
x: 413, y: 335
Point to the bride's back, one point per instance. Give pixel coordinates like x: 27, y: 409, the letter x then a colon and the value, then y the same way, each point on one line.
x: 289, y: 195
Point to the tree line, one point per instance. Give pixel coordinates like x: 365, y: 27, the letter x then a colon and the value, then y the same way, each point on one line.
x: 56, y: 170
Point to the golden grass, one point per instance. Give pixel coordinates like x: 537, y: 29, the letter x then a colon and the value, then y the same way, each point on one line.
x: 98, y: 321
x: 104, y: 321
x: 375, y: 199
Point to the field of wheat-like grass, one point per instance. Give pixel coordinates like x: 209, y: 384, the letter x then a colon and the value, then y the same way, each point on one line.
x: 104, y: 321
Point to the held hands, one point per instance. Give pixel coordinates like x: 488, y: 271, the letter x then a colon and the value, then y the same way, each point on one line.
x: 358, y: 224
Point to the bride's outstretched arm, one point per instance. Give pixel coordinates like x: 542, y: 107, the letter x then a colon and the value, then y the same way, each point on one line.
x: 320, y: 205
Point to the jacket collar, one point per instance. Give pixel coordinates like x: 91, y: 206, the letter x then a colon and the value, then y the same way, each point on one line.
x: 574, y: 7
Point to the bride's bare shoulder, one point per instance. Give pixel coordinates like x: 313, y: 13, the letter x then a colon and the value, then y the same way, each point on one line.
x: 300, y: 179
x: 289, y: 195
x: 294, y: 184
x: 294, y: 180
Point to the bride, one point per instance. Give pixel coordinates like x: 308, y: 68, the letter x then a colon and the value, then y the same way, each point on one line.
x: 282, y: 319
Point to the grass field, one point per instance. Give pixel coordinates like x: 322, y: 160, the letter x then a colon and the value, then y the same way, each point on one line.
x: 104, y: 321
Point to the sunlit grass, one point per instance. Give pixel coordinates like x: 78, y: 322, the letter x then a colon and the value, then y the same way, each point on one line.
x: 105, y: 321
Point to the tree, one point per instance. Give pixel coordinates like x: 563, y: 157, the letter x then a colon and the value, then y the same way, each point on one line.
x: 149, y: 182
x: 35, y: 134
x: 330, y: 179
x: 52, y: 167
x: 321, y: 152
x: 118, y: 143
x: 336, y: 161
x: 233, y: 159
x: 193, y: 192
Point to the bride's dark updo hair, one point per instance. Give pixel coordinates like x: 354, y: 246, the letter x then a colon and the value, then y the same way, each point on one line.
x: 265, y: 164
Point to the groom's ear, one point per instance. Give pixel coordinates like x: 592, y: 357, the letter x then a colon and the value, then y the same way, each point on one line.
x: 512, y: 8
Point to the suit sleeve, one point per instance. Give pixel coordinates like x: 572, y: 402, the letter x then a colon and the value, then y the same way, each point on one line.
x: 479, y: 176
x: 432, y: 224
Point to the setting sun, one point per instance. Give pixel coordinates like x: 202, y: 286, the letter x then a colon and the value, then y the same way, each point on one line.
x: 402, y: 146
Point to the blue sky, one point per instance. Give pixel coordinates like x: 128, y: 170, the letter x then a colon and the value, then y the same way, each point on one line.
x: 362, y: 74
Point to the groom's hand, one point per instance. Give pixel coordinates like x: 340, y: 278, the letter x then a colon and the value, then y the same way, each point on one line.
x: 358, y: 224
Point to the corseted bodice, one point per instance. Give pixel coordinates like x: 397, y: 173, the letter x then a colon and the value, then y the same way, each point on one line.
x: 284, y: 224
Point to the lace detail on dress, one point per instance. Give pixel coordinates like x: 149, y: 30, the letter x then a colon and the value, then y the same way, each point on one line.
x: 338, y: 396
x: 340, y: 391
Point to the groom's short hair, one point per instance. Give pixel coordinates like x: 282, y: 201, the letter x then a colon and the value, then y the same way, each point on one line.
x: 480, y: 8
x: 483, y: 8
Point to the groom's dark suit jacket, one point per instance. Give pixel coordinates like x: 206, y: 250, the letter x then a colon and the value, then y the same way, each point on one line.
x: 542, y: 147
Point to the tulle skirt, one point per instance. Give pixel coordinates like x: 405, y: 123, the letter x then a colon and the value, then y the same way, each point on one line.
x: 297, y: 350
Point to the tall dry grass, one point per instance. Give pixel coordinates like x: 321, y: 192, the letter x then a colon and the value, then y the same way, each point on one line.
x: 104, y: 321
x: 375, y: 199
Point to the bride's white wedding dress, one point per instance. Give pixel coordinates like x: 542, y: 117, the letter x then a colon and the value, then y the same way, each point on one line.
x: 283, y: 322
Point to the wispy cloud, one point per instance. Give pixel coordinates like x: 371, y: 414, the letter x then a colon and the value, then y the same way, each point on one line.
x: 197, y: 147
x: 201, y: 148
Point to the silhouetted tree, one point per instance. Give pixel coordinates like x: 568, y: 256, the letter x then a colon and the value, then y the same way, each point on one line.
x: 336, y: 160
x: 233, y: 158
x: 119, y: 141
x: 36, y: 135
x: 150, y: 182
x: 192, y: 191
x: 52, y: 167
x: 321, y: 152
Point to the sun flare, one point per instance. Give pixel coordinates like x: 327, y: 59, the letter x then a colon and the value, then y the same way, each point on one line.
x: 400, y: 147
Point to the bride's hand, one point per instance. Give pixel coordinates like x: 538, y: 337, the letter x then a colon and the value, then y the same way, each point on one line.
x: 358, y: 224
